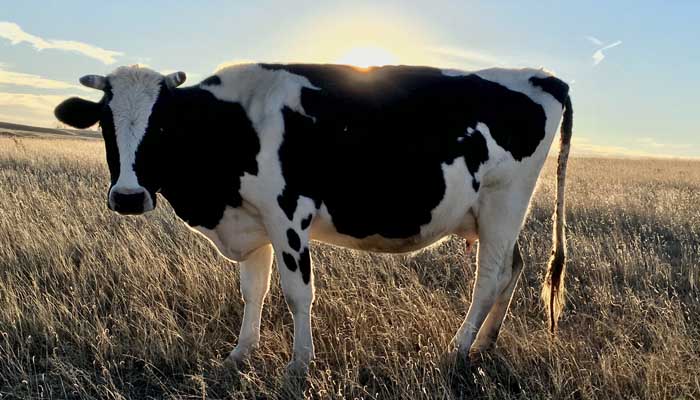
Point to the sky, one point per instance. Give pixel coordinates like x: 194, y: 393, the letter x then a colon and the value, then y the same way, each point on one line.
x: 633, y: 66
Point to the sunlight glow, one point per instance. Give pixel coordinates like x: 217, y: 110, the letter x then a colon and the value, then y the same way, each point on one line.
x: 362, y: 37
x: 367, y: 56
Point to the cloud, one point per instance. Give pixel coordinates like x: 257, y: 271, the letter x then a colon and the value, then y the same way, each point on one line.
x: 34, y: 81
x: 32, y: 109
x: 652, y: 143
x: 464, y: 57
x: 598, y: 56
x: 583, y: 146
x: 16, y: 35
x: 594, y: 40
x: 36, y: 102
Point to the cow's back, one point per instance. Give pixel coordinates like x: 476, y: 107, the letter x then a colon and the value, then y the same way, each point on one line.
x: 395, y: 152
x: 373, y: 146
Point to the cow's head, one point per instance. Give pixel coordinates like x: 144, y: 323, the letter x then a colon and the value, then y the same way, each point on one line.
x: 132, y: 113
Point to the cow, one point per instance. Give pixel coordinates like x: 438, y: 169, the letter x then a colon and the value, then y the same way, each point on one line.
x: 261, y: 159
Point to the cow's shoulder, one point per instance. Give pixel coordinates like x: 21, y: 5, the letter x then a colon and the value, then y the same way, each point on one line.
x: 263, y: 92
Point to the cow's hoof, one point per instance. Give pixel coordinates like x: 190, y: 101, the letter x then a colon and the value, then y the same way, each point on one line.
x: 476, y: 356
x: 241, y: 353
x: 238, y: 357
x: 461, y: 350
x: 484, y: 343
x: 298, y: 368
x: 460, y: 344
x: 455, y: 360
x: 232, y: 363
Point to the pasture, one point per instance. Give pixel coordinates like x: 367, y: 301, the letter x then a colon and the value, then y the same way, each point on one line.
x: 94, y: 305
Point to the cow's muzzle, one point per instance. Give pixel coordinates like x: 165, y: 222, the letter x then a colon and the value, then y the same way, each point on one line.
x: 130, y: 201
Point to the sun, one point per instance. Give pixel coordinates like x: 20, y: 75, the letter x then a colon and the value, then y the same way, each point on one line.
x: 367, y: 56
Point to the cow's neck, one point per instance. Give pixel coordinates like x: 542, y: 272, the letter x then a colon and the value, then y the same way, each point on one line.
x: 209, y: 145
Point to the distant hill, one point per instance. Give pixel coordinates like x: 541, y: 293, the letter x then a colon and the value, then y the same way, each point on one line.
x: 10, y: 129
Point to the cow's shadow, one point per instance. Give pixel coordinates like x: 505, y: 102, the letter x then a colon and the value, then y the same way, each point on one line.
x: 491, y: 375
x: 222, y: 379
x: 486, y: 375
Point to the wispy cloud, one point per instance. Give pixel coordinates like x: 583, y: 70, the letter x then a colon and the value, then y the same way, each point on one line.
x: 642, y: 148
x: 37, y: 102
x: 654, y: 144
x: 594, y: 40
x: 598, y: 56
x: 32, y: 109
x: 15, y: 34
x: 585, y: 146
x: 34, y: 81
x: 465, y: 58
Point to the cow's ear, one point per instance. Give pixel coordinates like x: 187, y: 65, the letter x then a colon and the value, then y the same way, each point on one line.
x: 78, y: 113
x: 175, y: 79
x: 98, y: 82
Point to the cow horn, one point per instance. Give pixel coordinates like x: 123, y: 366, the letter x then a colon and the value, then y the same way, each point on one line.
x: 94, y: 81
x: 175, y: 79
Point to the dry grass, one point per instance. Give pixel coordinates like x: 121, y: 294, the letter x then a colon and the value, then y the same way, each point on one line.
x: 93, y: 305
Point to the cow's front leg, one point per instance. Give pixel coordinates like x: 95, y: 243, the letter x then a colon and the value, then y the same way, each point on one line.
x: 291, y: 242
x: 255, y: 283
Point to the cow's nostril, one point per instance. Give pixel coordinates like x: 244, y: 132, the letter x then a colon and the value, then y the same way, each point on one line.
x: 128, y: 203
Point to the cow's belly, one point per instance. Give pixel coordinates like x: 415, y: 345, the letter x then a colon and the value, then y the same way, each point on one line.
x: 323, y: 231
x: 375, y: 242
x: 454, y: 214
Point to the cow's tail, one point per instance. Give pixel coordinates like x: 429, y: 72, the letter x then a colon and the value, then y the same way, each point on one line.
x: 553, y: 287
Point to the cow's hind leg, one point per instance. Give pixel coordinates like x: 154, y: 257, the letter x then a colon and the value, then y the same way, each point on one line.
x: 296, y: 279
x: 255, y: 283
x: 290, y: 239
x: 499, y: 220
x: 489, y: 330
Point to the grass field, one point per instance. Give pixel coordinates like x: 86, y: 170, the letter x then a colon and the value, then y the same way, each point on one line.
x: 93, y: 305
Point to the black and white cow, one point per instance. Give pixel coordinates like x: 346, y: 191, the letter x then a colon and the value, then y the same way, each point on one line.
x: 261, y: 159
